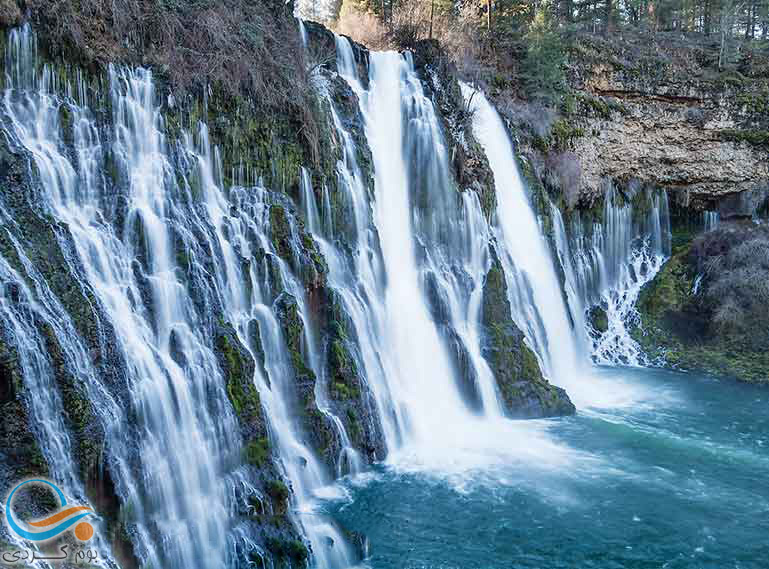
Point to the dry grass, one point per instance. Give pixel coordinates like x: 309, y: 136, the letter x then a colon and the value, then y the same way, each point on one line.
x: 240, y: 47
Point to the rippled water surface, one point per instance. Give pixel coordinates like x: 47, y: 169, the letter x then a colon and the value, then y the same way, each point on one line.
x: 675, y: 477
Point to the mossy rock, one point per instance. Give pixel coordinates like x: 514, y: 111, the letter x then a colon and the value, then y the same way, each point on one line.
x: 256, y: 452
x: 674, y: 328
x: 239, y: 376
x: 524, y: 390
x: 295, y: 550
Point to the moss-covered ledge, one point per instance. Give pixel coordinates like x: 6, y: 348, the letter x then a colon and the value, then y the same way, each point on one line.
x: 524, y: 391
x: 679, y: 324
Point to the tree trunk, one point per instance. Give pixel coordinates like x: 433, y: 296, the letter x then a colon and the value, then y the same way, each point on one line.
x: 608, y: 17
x: 706, y: 18
x: 432, y: 11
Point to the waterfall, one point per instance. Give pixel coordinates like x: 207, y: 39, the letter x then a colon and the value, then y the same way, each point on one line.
x: 179, y: 493
x: 710, y: 220
x: 607, y: 265
x: 171, y: 262
x: 163, y: 252
x: 242, y: 229
x: 426, y: 393
x: 302, y: 31
x: 533, y: 287
x: 415, y: 379
x: 411, y: 276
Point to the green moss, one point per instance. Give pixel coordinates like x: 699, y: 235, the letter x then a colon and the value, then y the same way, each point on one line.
x: 281, y: 232
x: 525, y: 392
x: 600, y: 107
x: 561, y: 136
x: 598, y: 319
x: 341, y: 391
x: 666, y: 306
x: 256, y: 452
x: 530, y: 364
x: 297, y: 551
x: 240, y: 386
x: 669, y: 290
x: 754, y: 102
x: 293, y: 330
x: 353, y: 425
x: 754, y: 137
x: 294, y: 549
x: 730, y: 78
x: 343, y: 371
x: 277, y: 490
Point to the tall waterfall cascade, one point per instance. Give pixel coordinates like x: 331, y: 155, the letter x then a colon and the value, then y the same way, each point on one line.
x: 187, y: 281
x: 413, y: 282
x: 534, y: 289
x: 608, y: 268
x: 160, y: 266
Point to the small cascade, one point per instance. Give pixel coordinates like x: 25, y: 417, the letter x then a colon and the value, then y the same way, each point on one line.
x: 710, y: 220
x: 251, y: 295
x: 24, y: 311
x: 309, y: 204
x: 607, y: 265
x: 302, y: 31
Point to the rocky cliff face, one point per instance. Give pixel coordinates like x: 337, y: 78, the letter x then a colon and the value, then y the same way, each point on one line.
x: 701, y: 137
x: 656, y: 111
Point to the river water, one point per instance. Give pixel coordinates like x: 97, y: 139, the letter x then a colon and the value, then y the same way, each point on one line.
x: 674, y: 479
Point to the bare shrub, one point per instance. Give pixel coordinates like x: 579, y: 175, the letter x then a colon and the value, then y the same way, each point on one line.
x: 535, y: 116
x: 363, y: 27
x: 414, y: 21
x: 735, y: 261
x: 241, y: 47
x: 564, y: 171
x: 729, y: 318
x: 753, y: 252
x: 10, y: 13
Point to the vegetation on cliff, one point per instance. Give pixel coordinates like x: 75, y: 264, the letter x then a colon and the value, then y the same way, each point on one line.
x: 708, y: 309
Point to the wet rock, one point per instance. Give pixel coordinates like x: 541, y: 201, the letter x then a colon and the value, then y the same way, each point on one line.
x: 524, y: 390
